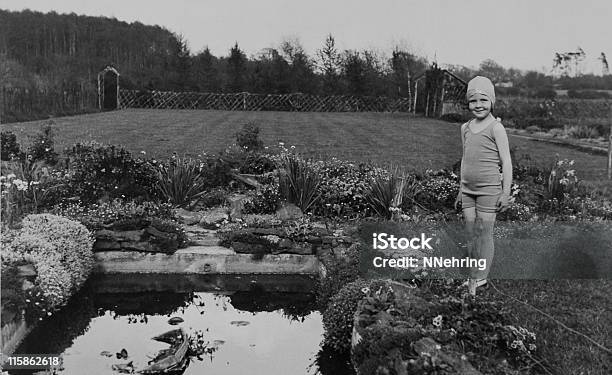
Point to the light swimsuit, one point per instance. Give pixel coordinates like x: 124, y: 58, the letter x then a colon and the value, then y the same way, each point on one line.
x: 481, y: 182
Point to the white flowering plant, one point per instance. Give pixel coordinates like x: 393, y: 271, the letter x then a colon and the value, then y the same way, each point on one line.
x: 28, y: 186
x: 61, y: 251
x: 562, y: 179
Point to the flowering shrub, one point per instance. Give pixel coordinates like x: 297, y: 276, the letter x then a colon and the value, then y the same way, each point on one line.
x: 172, y: 227
x: 61, y: 251
x: 42, y: 147
x: 517, y: 212
x: 29, y: 187
x: 338, y: 317
x: 97, y: 216
x: 438, y: 190
x: 98, y: 170
x: 262, y: 201
x: 344, y: 186
x: 256, y: 163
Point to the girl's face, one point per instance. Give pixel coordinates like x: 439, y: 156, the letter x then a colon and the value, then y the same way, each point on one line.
x: 480, y: 106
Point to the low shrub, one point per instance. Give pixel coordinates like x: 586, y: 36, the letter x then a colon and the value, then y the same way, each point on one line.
x: 248, y: 137
x: 169, y: 227
x: 256, y: 163
x: 517, y: 211
x: 340, y: 271
x: 588, y: 94
x: 61, y: 250
x: 109, y: 171
x: 581, y: 131
x: 339, y: 315
x: 216, y: 170
x: 545, y: 93
x: 437, y: 190
x: 9, y: 147
x: 213, y: 198
x: 42, y: 145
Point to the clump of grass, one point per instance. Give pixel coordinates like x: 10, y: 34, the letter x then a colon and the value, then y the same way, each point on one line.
x: 180, y: 182
x: 385, y: 195
x: 299, y: 182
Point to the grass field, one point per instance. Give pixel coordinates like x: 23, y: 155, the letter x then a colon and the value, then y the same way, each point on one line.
x: 414, y: 142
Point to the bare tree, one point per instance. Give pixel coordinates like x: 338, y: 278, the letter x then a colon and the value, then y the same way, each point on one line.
x: 605, y: 68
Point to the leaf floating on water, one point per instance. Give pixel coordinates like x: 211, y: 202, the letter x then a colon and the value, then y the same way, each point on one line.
x: 175, y: 320
x: 123, y: 354
x: 106, y: 353
x: 239, y: 323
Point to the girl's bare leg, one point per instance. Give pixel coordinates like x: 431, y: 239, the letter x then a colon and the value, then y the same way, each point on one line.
x: 485, y: 246
x: 469, y: 214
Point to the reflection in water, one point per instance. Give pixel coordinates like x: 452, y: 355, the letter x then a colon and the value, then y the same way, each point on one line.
x: 262, y: 325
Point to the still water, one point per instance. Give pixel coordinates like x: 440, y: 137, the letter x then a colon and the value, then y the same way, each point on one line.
x: 251, y: 324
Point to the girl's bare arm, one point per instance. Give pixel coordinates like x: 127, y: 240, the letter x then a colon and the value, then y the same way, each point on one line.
x: 501, y: 138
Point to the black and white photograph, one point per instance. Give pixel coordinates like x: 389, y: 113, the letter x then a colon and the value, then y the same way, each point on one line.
x: 306, y: 187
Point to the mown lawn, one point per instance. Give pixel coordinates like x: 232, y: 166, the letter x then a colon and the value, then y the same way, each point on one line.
x: 414, y: 142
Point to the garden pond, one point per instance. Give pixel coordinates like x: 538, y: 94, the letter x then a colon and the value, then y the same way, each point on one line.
x: 256, y: 324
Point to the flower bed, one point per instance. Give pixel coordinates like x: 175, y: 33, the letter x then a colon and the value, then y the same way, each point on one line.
x: 434, y: 329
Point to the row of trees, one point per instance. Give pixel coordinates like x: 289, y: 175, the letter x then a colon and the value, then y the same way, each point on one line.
x: 67, y: 49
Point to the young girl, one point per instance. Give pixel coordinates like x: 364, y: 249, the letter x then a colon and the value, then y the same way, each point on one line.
x: 483, y: 192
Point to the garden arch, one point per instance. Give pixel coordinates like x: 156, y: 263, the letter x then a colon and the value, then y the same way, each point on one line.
x: 108, y: 88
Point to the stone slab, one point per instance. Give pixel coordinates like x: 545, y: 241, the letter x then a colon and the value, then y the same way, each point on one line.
x: 206, y: 241
x: 204, y: 260
x: 206, y: 250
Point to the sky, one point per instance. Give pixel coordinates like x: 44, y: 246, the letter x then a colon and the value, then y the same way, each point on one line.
x: 523, y: 34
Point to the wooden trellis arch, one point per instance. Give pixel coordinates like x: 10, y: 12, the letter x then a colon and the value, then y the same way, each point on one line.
x: 102, y: 85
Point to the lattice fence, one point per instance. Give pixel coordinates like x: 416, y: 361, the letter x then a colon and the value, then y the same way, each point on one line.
x: 260, y: 102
